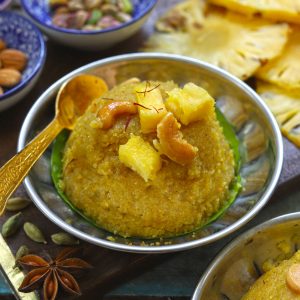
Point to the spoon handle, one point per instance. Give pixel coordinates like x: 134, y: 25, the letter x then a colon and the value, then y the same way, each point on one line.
x: 15, y: 170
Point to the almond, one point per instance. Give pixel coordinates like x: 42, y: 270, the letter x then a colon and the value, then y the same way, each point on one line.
x: 1, y: 91
x: 9, y: 77
x: 2, y: 45
x: 13, y: 59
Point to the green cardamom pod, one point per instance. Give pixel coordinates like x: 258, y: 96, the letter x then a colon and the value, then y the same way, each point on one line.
x: 22, y: 251
x: 11, y: 225
x: 63, y: 238
x: 34, y: 233
x: 17, y: 203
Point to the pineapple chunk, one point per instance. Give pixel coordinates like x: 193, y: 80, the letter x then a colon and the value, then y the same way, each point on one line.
x: 189, y: 104
x: 152, y: 108
x: 141, y: 157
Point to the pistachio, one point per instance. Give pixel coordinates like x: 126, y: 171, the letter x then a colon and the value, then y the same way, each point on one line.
x: 61, y: 10
x: 109, y: 9
x: 22, y: 251
x: 2, y: 45
x: 11, y: 225
x: 94, y: 17
x: 60, y: 20
x: 9, y: 77
x: 13, y: 59
x: 126, y: 6
x: 77, y: 19
x: 91, y: 4
x: 108, y: 22
x: 63, y: 238
x: 17, y: 203
x: 75, y: 5
x: 123, y: 17
x: 34, y: 233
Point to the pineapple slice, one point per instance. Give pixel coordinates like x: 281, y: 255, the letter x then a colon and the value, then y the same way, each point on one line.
x: 285, y: 70
x: 285, y: 105
x: 151, y: 108
x: 233, y: 42
x: 278, y: 10
x: 189, y: 104
x: 141, y: 157
x: 182, y: 16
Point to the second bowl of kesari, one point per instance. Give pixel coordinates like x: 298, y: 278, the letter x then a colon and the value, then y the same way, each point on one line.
x: 157, y: 176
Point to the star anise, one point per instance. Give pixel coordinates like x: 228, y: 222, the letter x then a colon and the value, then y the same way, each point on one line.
x: 52, y: 273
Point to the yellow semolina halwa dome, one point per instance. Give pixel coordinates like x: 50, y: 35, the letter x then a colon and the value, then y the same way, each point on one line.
x: 178, y: 200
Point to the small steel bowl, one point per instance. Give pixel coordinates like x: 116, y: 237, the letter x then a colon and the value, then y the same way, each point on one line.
x: 240, y: 263
x: 256, y: 128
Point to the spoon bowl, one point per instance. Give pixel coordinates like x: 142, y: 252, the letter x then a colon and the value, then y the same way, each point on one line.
x: 73, y: 97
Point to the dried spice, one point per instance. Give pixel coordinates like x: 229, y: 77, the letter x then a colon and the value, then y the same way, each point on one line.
x: 22, y: 251
x: 52, y: 274
x: 17, y: 203
x: 63, y: 238
x: 34, y: 233
x: 12, y: 225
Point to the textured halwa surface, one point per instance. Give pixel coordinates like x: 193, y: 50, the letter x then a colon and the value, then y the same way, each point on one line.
x: 179, y: 199
x: 272, y: 285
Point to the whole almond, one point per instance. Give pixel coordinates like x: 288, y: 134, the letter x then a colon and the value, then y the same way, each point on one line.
x: 9, y: 77
x: 1, y: 91
x: 2, y: 45
x: 13, y: 59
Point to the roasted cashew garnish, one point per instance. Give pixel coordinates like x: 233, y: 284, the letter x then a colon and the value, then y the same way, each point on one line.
x: 171, y: 142
x: 110, y: 112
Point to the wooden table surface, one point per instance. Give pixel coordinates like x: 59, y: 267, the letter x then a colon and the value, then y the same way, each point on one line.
x: 61, y: 60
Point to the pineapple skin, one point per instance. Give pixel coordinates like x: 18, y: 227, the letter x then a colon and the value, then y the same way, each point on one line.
x: 155, y: 109
x: 190, y: 104
x: 141, y: 157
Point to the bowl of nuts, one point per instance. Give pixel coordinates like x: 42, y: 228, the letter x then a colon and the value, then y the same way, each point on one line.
x: 89, y: 24
x: 22, y: 56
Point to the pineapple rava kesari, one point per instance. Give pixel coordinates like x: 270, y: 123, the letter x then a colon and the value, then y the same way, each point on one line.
x: 149, y: 159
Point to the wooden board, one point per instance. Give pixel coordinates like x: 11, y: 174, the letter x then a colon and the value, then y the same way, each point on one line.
x: 110, y: 266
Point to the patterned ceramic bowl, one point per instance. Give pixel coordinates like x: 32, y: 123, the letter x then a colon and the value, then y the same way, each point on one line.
x: 39, y: 11
x: 257, y: 131
x: 19, y: 33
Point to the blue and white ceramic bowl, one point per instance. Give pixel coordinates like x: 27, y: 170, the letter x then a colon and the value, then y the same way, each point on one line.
x: 19, y: 33
x: 40, y: 13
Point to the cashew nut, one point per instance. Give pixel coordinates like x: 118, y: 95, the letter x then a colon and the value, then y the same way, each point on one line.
x: 293, y: 278
x: 110, y: 112
x: 171, y: 142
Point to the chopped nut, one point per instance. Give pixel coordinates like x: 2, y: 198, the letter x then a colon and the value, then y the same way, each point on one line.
x: 110, y: 112
x: 13, y: 59
x: 293, y: 278
x: 9, y: 77
x: 171, y: 142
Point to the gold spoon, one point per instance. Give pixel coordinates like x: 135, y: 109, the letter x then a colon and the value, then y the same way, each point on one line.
x: 72, y: 99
